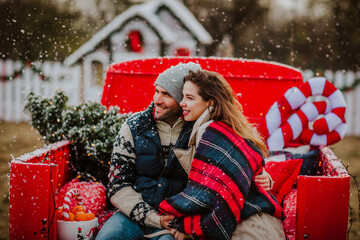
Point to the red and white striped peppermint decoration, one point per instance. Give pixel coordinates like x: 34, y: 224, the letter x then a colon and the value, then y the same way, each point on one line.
x: 288, y: 118
x: 66, y: 206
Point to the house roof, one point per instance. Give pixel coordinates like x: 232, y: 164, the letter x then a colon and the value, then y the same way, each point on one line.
x: 148, y: 12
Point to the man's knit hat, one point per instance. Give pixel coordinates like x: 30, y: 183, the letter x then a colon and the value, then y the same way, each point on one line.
x: 172, y: 79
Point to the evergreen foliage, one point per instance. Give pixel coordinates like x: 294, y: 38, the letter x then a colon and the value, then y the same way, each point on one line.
x: 90, y: 127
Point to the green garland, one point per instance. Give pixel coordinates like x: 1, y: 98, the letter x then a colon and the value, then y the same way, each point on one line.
x: 20, y: 72
x: 352, y: 87
x: 90, y: 127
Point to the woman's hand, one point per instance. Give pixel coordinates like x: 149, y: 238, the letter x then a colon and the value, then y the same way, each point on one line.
x: 263, y: 180
x: 165, y: 220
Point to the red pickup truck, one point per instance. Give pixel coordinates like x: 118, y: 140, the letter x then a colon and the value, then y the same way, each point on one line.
x: 322, y: 202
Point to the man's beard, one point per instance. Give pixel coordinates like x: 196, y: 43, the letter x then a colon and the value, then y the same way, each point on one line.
x: 169, y: 115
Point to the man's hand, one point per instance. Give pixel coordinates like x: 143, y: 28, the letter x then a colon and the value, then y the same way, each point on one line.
x: 165, y: 220
x: 180, y: 236
x: 263, y: 180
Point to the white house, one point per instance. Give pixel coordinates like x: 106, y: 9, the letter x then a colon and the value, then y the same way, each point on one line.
x: 152, y: 29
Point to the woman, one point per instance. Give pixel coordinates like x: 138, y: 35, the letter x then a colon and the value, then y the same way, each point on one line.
x: 221, y: 191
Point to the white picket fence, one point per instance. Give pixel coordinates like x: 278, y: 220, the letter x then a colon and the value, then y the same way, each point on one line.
x: 18, y: 80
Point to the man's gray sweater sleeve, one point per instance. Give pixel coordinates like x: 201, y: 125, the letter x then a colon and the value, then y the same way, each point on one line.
x: 121, y: 179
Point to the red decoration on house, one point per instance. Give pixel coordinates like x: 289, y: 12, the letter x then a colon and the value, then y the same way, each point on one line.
x: 182, y: 52
x: 135, y: 41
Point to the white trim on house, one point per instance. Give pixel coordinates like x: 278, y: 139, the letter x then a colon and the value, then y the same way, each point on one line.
x: 189, y: 20
x: 148, y: 12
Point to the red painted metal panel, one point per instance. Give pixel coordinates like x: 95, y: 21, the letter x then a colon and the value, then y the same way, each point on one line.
x: 35, y: 179
x: 322, y: 207
x: 29, y: 190
x: 258, y: 84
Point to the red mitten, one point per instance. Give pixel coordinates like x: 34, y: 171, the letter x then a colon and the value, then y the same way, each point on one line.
x: 284, y: 175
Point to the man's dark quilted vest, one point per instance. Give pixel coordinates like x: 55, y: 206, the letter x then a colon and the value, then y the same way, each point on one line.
x: 154, y: 181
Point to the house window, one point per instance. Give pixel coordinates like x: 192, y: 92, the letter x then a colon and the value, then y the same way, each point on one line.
x: 97, y: 73
x: 184, y: 52
x: 135, y: 41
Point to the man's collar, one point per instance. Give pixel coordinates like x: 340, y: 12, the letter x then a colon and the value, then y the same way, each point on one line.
x: 178, y: 121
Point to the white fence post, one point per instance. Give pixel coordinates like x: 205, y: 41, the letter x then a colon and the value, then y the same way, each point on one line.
x: 9, y: 70
x: 2, y: 86
x: 356, y: 131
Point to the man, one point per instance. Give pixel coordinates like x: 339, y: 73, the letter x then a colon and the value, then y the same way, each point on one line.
x: 144, y: 170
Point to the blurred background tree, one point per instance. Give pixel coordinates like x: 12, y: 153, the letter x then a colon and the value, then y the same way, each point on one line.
x: 50, y: 29
x: 238, y: 19
x: 325, y: 35
x: 36, y: 30
x: 345, y: 23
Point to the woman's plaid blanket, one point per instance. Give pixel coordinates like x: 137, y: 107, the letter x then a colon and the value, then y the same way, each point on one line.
x: 221, y: 192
